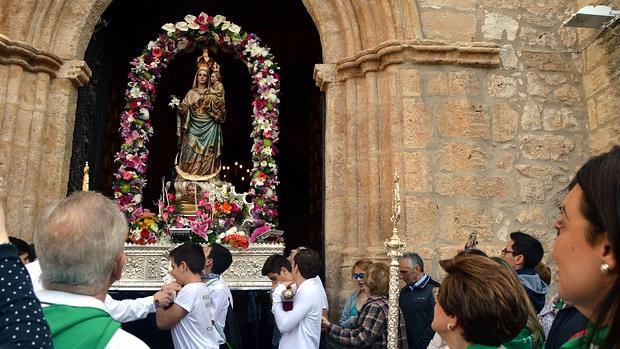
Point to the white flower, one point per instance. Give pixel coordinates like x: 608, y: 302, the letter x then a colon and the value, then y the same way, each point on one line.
x: 193, y: 26
x: 169, y: 28
x: 226, y: 25
x: 231, y: 231
x: 135, y: 92
x: 190, y: 18
x: 267, y: 151
x: 182, y: 26
x: 221, y: 236
x: 174, y: 101
x: 218, y: 19
x: 203, y: 15
x: 150, y: 45
x: 144, y: 112
x: 268, y: 63
x: 234, y: 28
x: 263, y: 163
x: 137, y: 199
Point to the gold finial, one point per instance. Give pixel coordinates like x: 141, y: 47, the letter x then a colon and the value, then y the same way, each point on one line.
x: 204, y: 62
x: 85, y: 178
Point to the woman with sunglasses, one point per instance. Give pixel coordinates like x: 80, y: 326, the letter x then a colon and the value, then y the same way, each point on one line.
x: 587, y: 248
x: 354, y: 303
x: 369, y: 329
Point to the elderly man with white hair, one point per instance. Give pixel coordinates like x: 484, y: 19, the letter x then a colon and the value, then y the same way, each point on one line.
x: 80, y: 242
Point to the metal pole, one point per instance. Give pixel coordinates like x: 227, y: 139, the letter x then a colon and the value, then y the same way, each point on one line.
x: 395, y: 247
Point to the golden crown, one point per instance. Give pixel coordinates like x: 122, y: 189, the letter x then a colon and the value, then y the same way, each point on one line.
x: 204, y: 62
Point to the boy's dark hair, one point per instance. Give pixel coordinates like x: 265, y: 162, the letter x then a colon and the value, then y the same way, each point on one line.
x: 309, y: 263
x: 529, y: 247
x: 274, y: 264
x: 32, y: 253
x: 192, y: 254
x: 21, y: 245
x: 222, y: 258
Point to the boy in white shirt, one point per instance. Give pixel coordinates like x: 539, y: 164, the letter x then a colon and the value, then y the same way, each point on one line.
x: 189, y: 316
x: 301, y: 326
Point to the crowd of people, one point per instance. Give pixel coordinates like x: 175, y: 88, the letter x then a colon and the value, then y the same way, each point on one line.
x: 60, y: 297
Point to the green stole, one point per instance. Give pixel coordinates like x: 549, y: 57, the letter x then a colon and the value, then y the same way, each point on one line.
x: 79, y: 327
x: 523, y: 340
x: 588, y: 338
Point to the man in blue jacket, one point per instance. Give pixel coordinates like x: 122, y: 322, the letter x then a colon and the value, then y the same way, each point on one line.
x: 416, y: 300
x: 523, y: 252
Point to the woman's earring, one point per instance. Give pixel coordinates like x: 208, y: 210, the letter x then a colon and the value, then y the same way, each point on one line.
x: 450, y: 327
x: 605, y: 268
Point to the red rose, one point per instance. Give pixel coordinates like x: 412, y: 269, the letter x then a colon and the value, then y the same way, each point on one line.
x: 144, y: 233
x: 156, y: 52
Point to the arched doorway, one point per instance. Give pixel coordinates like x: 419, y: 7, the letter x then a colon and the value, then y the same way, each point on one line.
x: 283, y: 26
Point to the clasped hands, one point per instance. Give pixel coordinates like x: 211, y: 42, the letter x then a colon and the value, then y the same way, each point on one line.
x: 165, y: 297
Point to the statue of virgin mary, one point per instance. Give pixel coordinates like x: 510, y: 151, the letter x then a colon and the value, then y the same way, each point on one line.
x: 199, y: 124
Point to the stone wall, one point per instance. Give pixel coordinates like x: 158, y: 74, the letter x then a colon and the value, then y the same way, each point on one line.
x: 601, y: 83
x: 476, y: 103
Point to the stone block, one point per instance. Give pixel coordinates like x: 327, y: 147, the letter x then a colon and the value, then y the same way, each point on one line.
x: 462, y: 157
x: 462, y: 118
x: 453, y: 84
x: 545, y: 9
x: 422, y: 217
x: 453, y: 4
x: 544, y: 61
x: 502, y: 86
x: 568, y: 36
x: 530, y: 120
x: 495, y: 24
x: 410, y: 82
x: 568, y: 94
x: 471, y: 186
x: 541, y: 38
x: 607, y: 106
x: 542, y: 84
x: 418, y: 172
x: 449, y: 25
x: 544, y: 172
x: 559, y: 119
x: 508, y: 57
x: 500, y: 4
x: 418, y: 132
x: 592, y: 117
x: 531, y: 215
x: 531, y: 190
x: 595, y: 80
x: 459, y: 221
x: 505, y: 122
x: 504, y: 160
x: 593, y: 55
x: 546, y: 147
x: 604, y: 137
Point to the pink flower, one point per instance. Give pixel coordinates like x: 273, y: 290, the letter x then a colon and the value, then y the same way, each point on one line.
x: 127, y: 175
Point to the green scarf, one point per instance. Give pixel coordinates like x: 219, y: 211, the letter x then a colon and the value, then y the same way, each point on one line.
x: 523, y: 340
x: 588, y: 338
x: 79, y: 327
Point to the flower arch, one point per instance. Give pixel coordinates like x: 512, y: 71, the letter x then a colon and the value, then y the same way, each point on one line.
x: 136, y: 128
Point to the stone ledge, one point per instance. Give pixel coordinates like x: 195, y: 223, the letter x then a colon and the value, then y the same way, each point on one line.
x: 474, y: 54
x: 28, y: 57
x: 76, y: 71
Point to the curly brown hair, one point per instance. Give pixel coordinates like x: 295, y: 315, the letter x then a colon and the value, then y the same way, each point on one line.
x: 378, y: 281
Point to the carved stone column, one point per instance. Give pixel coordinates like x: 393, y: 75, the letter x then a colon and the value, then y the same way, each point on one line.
x: 35, y: 140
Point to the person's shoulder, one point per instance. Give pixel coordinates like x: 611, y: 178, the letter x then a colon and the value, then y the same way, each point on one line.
x: 433, y: 283
x: 122, y: 339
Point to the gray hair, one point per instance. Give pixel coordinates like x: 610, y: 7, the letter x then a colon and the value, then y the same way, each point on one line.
x: 79, y: 240
x: 413, y: 259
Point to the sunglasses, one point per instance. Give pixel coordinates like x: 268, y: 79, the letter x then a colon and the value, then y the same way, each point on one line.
x: 358, y: 276
x: 505, y: 251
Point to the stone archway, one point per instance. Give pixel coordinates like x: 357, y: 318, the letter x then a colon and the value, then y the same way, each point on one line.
x: 481, y: 143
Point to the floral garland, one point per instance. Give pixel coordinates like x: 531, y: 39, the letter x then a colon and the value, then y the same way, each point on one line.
x: 136, y: 127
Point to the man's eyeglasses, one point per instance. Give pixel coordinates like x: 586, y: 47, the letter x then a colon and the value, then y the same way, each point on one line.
x: 504, y: 251
x: 358, y: 276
